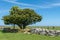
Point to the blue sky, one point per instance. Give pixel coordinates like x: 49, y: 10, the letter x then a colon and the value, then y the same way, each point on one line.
x: 48, y: 9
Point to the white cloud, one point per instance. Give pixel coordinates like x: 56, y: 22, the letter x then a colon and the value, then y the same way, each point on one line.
x: 52, y: 5
x: 56, y: 4
x: 25, y: 4
x: 10, y: 0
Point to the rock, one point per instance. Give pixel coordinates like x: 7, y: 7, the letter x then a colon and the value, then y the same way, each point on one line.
x: 45, y: 32
x: 57, y: 32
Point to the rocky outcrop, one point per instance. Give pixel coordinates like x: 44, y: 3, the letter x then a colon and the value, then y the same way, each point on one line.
x: 41, y: 31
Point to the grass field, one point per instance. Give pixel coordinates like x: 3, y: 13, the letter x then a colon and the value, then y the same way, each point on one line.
x: 22, y: 36
x: 46, y: 27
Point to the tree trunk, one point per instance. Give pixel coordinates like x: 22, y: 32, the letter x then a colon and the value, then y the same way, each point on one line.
x: 14, y: 26
x: 24, y: 26
x: 21, y: 26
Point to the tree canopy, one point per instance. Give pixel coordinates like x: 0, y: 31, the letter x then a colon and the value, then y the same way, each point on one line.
x: 21, y: 17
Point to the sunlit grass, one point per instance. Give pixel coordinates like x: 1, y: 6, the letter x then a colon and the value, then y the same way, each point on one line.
x: 22, y: 36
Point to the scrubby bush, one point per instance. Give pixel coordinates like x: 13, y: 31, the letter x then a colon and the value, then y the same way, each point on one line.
x: 9, y: 30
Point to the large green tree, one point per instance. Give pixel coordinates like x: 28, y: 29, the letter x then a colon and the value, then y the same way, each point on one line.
x: 21, y: 17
